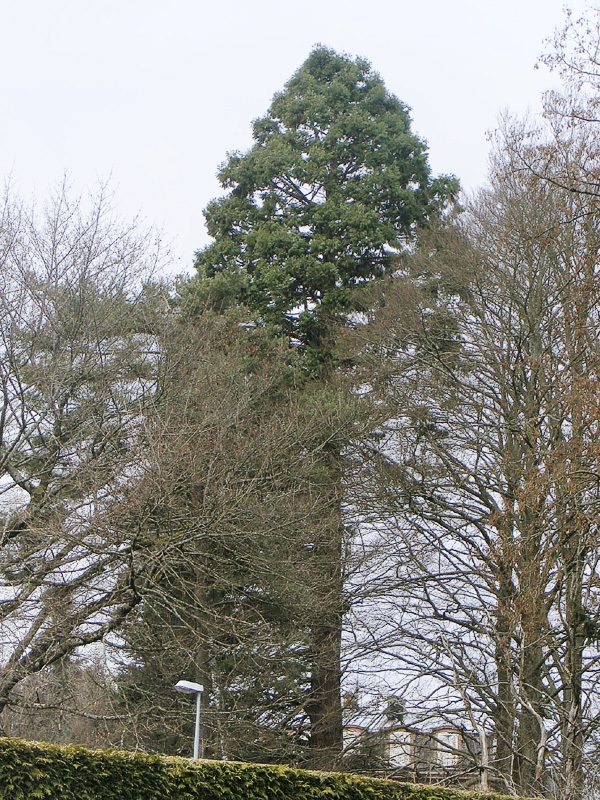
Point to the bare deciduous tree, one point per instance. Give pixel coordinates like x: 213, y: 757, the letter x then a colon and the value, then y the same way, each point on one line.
x: 491, y: 476
x: 237, y: 463
x: 77, y: 367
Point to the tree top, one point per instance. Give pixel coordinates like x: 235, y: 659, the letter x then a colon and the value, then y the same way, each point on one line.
x: 335, y: 184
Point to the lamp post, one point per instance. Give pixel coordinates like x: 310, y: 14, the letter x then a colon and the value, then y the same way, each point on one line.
x: 197, y: 689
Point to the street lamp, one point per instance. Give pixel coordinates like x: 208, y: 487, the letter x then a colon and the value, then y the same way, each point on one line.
x: 197, y: 689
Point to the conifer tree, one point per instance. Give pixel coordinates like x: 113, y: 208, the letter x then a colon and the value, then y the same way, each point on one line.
x: 335, y: 185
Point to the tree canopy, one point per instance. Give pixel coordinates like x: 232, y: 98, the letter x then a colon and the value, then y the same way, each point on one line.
x: 334, y: 185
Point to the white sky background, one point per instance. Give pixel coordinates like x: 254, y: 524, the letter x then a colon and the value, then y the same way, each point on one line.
x: 154, y: 93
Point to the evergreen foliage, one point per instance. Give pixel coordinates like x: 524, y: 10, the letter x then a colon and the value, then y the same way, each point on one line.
x: 335, y: 184
x: 234, y: 462
x: 33, y: 770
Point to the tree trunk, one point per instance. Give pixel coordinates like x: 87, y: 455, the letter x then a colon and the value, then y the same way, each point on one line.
x: 325, y: 707
x: 504, y: 722
x: 572, y: 711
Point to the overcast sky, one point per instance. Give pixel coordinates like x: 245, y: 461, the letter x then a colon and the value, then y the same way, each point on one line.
x: 154, y: 93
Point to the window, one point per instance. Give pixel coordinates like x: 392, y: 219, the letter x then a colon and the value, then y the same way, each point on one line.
x: 353, y: 735
x: 400, y: 748
x: 447, y: 747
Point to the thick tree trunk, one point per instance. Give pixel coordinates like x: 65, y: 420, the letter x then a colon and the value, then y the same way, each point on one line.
x: 529, y: 769
x: 572, y: 729
x: 325, y: 708
x: 533, y: 626
x: 504, y: 722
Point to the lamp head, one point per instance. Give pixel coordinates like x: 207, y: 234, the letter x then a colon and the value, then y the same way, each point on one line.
x: 189, y: 686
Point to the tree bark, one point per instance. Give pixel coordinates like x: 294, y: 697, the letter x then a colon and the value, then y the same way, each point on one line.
x: 325, y: 707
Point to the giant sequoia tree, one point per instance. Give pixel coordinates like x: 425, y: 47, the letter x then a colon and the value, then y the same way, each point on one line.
x: 335, y: 184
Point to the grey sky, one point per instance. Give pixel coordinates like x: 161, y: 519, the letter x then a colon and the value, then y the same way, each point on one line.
x: 153, y: 93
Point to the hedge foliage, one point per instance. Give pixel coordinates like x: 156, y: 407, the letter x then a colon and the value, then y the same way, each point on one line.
x: 35, y: 770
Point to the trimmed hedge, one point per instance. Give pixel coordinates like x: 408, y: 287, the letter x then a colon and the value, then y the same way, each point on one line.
x: 35, y: 770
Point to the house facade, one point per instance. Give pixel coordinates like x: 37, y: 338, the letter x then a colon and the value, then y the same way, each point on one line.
x: 438, y: 753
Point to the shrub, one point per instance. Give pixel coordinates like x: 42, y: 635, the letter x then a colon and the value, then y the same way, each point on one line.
x: 36, y: 770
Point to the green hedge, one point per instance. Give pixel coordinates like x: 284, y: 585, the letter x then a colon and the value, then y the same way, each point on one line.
x: 35, y: 770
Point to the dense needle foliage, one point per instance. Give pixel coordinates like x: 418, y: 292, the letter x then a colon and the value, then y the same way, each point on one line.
x: 334, y: 185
